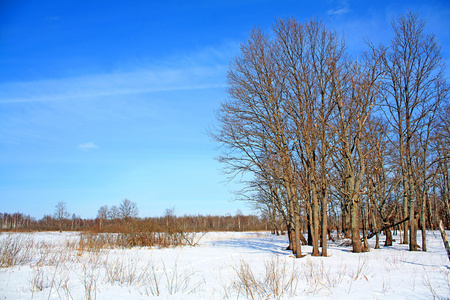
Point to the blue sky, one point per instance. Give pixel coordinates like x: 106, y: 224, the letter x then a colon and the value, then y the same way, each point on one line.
x: 106, y: 100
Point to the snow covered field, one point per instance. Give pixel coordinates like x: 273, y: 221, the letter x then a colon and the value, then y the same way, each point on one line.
x: 225, y: 265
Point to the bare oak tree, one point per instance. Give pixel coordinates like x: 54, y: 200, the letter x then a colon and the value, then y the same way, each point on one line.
x: 303, y: 126
x: 61, y: 213
x: 128, y: 210
x: 102, y: 215
x: 414, y: 81
x: 113, y: 212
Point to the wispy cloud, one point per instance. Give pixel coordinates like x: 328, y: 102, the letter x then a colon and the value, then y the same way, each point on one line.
x: 121, y: 83
x: 87, y: 146
x: 204, y: 69
x: 339, y: 11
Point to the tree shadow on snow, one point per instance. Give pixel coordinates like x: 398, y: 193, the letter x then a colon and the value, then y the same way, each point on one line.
x: 257, y: 245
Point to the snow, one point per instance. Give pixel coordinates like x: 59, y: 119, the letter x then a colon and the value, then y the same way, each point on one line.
x: 225, y: 265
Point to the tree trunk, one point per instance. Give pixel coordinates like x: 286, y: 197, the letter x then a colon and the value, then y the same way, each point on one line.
x: 446, y: 189
x: 377, y: 237
x: 310, y: 237
x: 302, y: 238
x: 423, y: 223
x: 315, y: 217
x: 356, y: 240
x: 298, y: 245
x: 346, y: 222
x: 293, y: 237
x: 388, y: 241
x: 324, y: 222
x: 387, y: 227
x: 405, y: 212
x: 366, y: 243
x: 444, y: 238
x: 289, y: 231
x: 412, y: 227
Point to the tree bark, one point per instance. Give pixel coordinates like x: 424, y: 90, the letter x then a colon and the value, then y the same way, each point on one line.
x: 356, y: 240
x: 423, y: 223
x: 324, y: 222
x: 405, y: 210
x: 444, y: 238
x: 315, y: 217
x: 346, y: 221
x: 387, y: 227
x: 388, y: 241
x: 298, y: 245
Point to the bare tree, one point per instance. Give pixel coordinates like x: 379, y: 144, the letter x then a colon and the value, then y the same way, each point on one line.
x: 253, y: 125
x: 103, y: 212
x: 414, y: 81
x: 113, y: 212
x: 307, y: 54
x: 169, y: 216
x: 382, y: 182
x: 61, y: 213
x: 300, y: 121
x: 102, y: 215
x: 356, y: 85
x: 128, y: 210
x: 443, y: 148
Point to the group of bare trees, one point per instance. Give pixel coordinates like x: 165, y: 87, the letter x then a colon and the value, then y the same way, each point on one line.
x: 316, y: 133
x: 13, y: 221
x: 63, y: 220
x: 168, y: 223
x: 126, y: 211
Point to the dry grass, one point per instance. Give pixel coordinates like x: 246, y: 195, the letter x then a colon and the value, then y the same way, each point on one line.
x: 152, y: 281
x: 94, y: 242
x: 362, y: 269
x: 281, y: 279
x: 278, y: 280
x: 90, y: 273
x: 177, y: 282
x: 124, y: 271
x: 80, y: 267
x: 99, y: 241
x: 38, y: 281
x: 15, y: 250
x: 318, y: 278
x: 52, y: 264
x: 436, y: 288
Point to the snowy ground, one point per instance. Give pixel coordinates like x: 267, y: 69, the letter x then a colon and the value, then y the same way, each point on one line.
x: 225, y: 265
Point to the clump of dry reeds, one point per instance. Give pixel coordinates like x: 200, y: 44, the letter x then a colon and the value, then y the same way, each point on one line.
x: 15, y: 250
x: 125, y: 240
x: 277, y: 281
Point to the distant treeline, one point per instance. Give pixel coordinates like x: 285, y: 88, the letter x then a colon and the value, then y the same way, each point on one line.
x: 167, y: 223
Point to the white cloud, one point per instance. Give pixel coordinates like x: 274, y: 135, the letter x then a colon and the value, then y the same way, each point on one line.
x: 122, y: 83
x: 87, y: 146
x: 342, y: 7
x: 204, y: 69
x: 339, y: 11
